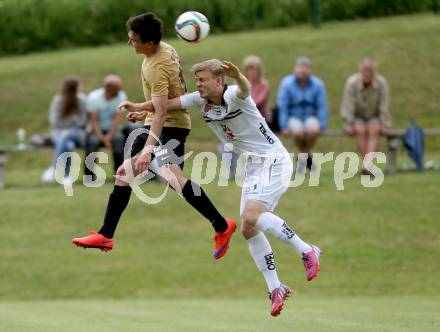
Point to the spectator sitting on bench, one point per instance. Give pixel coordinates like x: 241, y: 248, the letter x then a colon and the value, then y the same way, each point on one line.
x: 302, y: 108
x: 364, y: 107
x: 68, y: 118
x: 105, y: 120
x: 260, y: 88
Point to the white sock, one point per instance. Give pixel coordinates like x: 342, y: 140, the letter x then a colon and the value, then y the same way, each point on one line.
x: 277, y: 227
x: 262, y: 254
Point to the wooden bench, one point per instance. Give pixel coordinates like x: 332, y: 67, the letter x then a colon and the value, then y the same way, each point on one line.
x: 393, y: 137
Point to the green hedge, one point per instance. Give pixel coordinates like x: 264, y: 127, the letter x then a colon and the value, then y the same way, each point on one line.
x: 34, y: 25
x: 348, y: 9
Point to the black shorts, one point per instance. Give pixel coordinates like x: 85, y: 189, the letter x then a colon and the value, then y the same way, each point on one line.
x: 170, y: 149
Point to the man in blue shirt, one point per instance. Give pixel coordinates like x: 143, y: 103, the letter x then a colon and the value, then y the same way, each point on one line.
x: 302, y: 107
x: 105, y: 119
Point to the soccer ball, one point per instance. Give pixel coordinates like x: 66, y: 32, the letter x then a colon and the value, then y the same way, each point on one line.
x: 192, y: 27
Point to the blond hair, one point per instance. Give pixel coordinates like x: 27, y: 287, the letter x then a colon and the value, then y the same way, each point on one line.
x: 255, y: 62
x: 213, y: 65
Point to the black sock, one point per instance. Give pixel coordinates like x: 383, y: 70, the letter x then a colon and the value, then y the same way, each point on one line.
x: 202, y: 204
x: 309, y: 161
x: 117, y: 203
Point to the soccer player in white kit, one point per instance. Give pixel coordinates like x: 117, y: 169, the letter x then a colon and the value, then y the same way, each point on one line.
x: 233, y: 116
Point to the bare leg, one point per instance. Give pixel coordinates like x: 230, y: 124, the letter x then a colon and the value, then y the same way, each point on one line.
x: 300, y: 139
x: 250, y: 215
x: 373, y: 135
x: 374, y: 130
x: 311, y: 137
x: 360, y: 132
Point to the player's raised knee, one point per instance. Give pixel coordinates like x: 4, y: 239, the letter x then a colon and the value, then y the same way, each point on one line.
x: 247, y: 229
x: 249, y: 217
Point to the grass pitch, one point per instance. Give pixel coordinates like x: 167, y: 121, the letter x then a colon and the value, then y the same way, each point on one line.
x: 360, y: 314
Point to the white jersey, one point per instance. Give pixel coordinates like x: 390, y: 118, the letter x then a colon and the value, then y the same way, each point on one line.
x: 236, y: 121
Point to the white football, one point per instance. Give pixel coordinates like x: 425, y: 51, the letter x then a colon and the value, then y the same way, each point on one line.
x: 192, y: 27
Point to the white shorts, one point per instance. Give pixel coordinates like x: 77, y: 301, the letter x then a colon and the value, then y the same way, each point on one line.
x: 266, y: 179
x: 310, y: 123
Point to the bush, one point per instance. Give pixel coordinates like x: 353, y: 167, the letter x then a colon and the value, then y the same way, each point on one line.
x: 34, y: 25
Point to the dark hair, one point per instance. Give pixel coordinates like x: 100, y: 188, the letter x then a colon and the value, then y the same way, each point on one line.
x: 148, y: 26
x: 69, y: 98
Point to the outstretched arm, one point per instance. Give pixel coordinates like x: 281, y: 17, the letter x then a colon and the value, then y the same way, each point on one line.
x: 171, y: 104
x: 132, y: 107
x: 232, y: 71
x: 133, y: 116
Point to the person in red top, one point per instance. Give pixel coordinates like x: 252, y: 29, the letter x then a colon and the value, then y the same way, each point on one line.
x: 260, y: 88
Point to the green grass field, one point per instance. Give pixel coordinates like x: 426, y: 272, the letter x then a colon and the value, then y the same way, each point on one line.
x: 402, y: 314
x: 380, y: 267
x: 381, y: 246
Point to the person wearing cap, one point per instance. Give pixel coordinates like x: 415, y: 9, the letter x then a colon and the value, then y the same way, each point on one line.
x: 364, y: 107
x: 105, y: 119
x: 302, y: 107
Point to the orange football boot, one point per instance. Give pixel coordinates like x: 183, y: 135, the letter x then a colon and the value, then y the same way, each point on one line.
x: 221, y: 239
x: 94, y: 240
